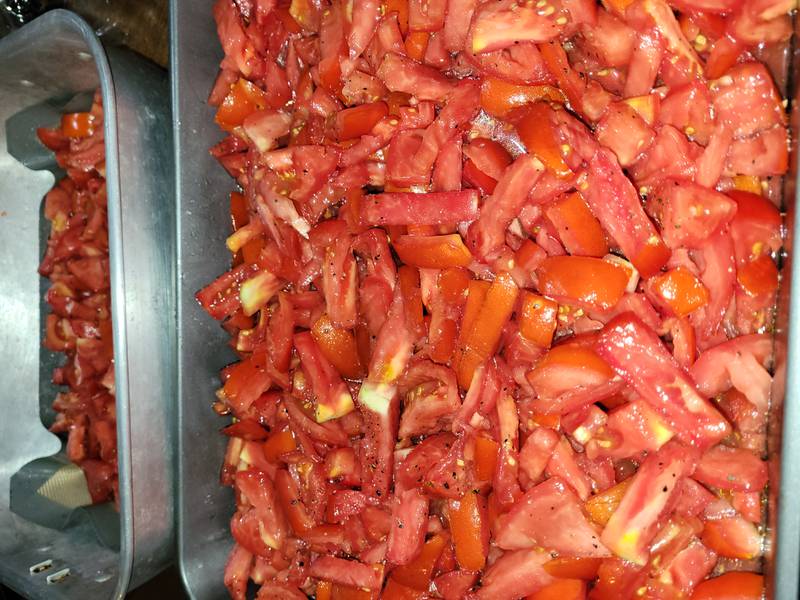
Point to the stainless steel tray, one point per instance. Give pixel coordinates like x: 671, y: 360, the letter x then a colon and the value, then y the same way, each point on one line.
x: 204, y: 508
x: 42, y: 66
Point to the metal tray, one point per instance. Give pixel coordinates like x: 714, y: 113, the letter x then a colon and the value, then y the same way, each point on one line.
x: 49, y: 62
x: 204, y: 507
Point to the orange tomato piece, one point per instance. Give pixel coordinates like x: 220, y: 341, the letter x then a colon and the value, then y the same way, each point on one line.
x: 408, y: 278
x: 469, y: 527
x: 680, y: 291
x: 433, y: 251
x: 417, y: 44
x: 483, y: 331
x: 563, y: 589
x: 537, y: 133
x: 485, y: 457
x: 339, y: 346
x: 731, y: 586
x: 401, y: 8
x: 278, y: 444
x: 77, y: 125
x: 603, y: 505
x: 397, y: 591
x: 758, y: 277
x: 324, y: 590
x: 498, y: 97
x: 578, y: 229
x: 251, y: 251
x: 346, y: 592
x: 243, y: 99
x: 732, y: 537
x: 417, y: 574
x: 359, y: 120
x: 573, y: 567
x: 537, y: 319
x: 583, y: 280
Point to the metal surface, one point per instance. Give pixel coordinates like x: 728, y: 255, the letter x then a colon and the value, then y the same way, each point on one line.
x: 204, y: 507
x: 44, y: 64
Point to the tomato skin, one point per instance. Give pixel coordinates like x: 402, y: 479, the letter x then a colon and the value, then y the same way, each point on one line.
x: 563, y: 589
x: 537, y: 319
x: 584, y: 281
x: 433, y: 252
x: 481, y: 336
x: 499, y: 97
x: 731, y: 586
x: 470, y: 529
x: 77, y: 125
x: 417, y: 573
x: 435, y: 208
x: 339, y: 347
x: 580, y: 232
x: 567, y: 567
x: 357, y: 121
x: 732, y: 537
x: 679, y: 291
x: 243, y: 99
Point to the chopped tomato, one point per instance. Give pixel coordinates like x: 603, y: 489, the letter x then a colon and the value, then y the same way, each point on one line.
x: 679, y: 291
x: 585, y: 281
x: 77, y: 125
x: 470, y: 530
x: 578, y: 229
x: 537, y: 319
x: 502, y: 279
x: 243, y: 99
x: 731, y: 586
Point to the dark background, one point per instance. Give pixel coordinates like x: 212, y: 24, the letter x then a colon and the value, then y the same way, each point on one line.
x: 141, y: 25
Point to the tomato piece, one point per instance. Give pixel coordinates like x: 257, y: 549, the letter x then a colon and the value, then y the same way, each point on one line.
x: 732, y: 469
x: 637, y: 355
x: 624, y: 218
x: 578, y: 229
x: 537, y: 319
x: 732, y: 537
x: 759, y: 277
x: 402, y: 74
x: 585, y: 281
x: 483, y: 331
x: 485, y: 457
x: 333, y: 399
x: 689, y: 214
x: 633, y: 524
x: 77, y: 125
x: 570, y: 567
x: 398, y: 591
x: 731, y: 586
x: 537, y: 132
x: 499, y: 97
x: 549, y: 515
x: 469, y: 527
x: 416, y: 44
x: 488, y: 156
x: 678, y: 291
x: 243, y: 99
x: 338, y: 345
x: 433, y: 208
x: 350, y: 573
x: 433, y: 252
x: 502, y: 24
x: 247, y: 429
x: 426, y: 16
x: 564, y: 589
x: 359, y: 120
x: 409, y: 521
x: 417, y: 574
x: 247, y: 380
x: 487, y: 234
x: 623, y: 131
x: 278, y: 444
x: 515, y: 574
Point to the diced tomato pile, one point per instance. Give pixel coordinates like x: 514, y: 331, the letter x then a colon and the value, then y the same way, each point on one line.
x: 79, y: 324
x: 502, y: 291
